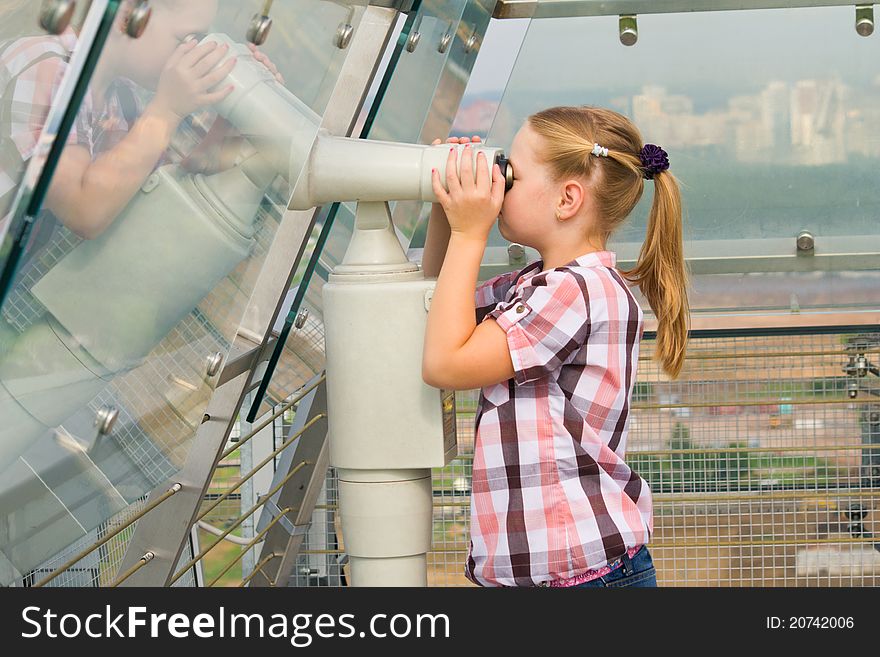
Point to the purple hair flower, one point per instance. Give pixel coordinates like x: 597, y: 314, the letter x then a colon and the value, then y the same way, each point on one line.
x: 654, y: 160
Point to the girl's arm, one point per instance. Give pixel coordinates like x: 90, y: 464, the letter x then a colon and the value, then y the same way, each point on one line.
x: 459, y: 354
x: 86, y: 194
x: 436, y: 242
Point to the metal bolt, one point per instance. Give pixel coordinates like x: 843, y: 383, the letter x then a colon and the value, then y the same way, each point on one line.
x: 413, y: 41
x: 852, y: 389
x: 471, y: 44
x: 343, y: 35
x: 515, y: 253
x: 105, y: 419
x: 55, y: 15
x: 258, y: 31
x: 629, y: 30
x: 138, y: 19
x: 865, y: 20
x: 301, y: 318
x: 805, y: 241
x: 445, y: 40
x: 214, y: 362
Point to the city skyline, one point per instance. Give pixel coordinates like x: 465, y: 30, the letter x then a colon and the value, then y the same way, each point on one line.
x: 806, y: 122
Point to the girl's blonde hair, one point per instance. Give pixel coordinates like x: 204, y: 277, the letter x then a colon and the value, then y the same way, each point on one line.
x: 569, y: 135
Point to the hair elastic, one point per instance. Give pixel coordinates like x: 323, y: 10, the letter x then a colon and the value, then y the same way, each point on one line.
x: 599, y: 151
x: 654, y: 160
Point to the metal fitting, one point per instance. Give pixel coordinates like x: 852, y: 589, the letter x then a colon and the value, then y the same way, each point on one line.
x: 805, y: 241
x: 55, y: 15
x: 105, y: 419
x: 214, y: 362
x: 628, y: 30
x: 138, y: 19
x: 865, y: 20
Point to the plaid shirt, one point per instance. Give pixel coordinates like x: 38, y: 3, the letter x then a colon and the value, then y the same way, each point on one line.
x: 552, y: 496
x: 31, y: 71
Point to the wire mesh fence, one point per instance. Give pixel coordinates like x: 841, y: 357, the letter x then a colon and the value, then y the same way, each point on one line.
x: 763, y: 459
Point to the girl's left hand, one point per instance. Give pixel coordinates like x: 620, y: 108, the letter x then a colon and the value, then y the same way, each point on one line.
x: 265, y: 61
x: 471, y: 206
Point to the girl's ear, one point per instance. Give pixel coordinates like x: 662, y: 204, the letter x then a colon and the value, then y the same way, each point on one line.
x: 571, y: 200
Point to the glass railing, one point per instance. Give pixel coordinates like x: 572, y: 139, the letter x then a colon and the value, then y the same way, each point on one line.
x: 434, y: 54
x: 155, y: 230
x: 770, y: 142
x: 47, y: 55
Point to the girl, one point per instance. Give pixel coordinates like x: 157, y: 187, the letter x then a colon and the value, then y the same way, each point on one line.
x: 555, y: 346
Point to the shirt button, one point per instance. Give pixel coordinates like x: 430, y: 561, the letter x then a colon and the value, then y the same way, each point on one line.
x: 520, y: 308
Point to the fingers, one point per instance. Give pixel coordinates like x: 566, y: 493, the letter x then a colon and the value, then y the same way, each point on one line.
x: 217, y: 75
x: 217, y: 96
x: 467, y: 168
x: 484, y: 181
x: 439, y: 192
x: 497, y: 193
x: 196, y: 54
x: 265, y: 61
x: 179, y: 52
x: 208, y: 61
x: 452, y: 182
x: 459, y: 140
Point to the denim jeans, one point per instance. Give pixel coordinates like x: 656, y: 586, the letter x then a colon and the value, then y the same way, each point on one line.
x: 638, y: 571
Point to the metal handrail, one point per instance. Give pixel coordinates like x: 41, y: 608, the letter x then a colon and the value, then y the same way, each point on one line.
x: 259, y: 569
x: 256, y: 539
x: 271, y: 419
x: 143, y: 561
x: 240, y: 520
x: 168, y: 493
x: 271, y: 456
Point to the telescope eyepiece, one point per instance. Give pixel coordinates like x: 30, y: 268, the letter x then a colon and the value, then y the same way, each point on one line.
x: 506, y: 170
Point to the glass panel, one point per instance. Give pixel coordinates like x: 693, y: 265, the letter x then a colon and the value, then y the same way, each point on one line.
x: 767, y: 141
x: 434, y: 65
x: 422, y: 74
x: 159, y: 229
x: 40, y: 74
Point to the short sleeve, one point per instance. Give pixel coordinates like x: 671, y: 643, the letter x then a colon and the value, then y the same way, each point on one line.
x: 546, y: 321
x: 32, y: 97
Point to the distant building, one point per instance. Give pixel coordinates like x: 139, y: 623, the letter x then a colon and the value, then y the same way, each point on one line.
x: 475, y: 117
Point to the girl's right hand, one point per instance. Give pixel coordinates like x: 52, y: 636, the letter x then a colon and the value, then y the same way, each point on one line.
x: 453, y: 140
x: 190, y: 75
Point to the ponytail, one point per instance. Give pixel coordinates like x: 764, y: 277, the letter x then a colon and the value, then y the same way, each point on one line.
x: 661, y: 274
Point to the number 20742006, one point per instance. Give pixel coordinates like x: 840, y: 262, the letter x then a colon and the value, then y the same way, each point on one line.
x: 810, y: 622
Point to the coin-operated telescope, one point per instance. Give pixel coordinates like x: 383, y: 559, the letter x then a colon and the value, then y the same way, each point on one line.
x: 112, y: 299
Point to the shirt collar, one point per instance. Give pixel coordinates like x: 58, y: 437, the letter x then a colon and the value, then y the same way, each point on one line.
x: 592, y: 259
x: 595, y: 259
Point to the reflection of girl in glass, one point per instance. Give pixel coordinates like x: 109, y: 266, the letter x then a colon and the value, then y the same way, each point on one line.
x: 117, y: 139
x: 115, y: 143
